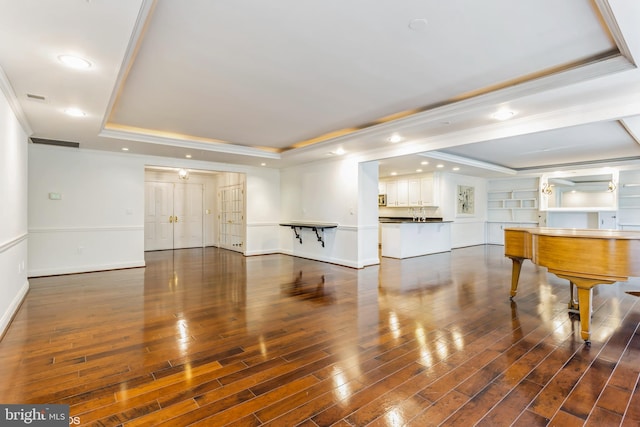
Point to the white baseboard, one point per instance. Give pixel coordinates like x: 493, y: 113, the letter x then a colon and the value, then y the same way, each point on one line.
x: 331, y: 260
x: 13, y: 308
x: 84, y: 268
x: 263, y: 252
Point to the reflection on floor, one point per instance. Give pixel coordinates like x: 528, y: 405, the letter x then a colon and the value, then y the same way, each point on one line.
x: 209, y: 336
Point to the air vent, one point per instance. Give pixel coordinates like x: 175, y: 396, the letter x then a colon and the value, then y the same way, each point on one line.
x: 55, y: 142
x: 36, y: 97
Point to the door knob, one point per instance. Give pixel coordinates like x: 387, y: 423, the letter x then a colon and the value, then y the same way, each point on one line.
x: 171, y: 219
x: 175, y: 219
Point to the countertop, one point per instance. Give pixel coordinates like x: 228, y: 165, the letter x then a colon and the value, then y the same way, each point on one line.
x: 402, y: 220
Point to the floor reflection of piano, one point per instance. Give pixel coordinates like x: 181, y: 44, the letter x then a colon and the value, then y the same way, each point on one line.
x: 584, y: 257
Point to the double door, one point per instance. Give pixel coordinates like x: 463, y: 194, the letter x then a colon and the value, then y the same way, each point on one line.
x: 173, y: 216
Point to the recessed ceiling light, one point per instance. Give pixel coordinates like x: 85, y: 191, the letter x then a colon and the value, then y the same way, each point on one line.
x: 74, y: 112
x: 394, y: 138
x: 263, y: 164
x: 440, y: 165
x: 339, y: 151
x: 418, y: 24
x: 74, y: 62
x: 424, y: 163
x: 188, y: 156
x: 503, y: 114
x: 418, y: 170
x: 456, y: 168
x: 394, y: 173
x: 125, y: 149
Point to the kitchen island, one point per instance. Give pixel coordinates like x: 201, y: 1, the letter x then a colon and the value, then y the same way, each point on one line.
x: 404, y: 237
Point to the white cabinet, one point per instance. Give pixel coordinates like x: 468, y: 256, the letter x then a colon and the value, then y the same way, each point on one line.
x: 495, y: 231
x: 392, y: 193
x: 412, y: 192
x: 397, y: 193
x: 427, y: 193
x: 403, y: 193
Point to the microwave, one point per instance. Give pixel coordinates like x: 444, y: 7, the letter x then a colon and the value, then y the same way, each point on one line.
x: 382, y: 200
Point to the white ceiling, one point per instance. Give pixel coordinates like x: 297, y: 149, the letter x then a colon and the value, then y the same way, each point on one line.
x: 287, y: 82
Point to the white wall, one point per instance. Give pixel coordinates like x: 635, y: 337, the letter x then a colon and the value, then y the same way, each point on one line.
x: 466, y: 230
x: 263, y: 211
x: 326, y: 192
x: 13, y: 215
x: 98, y: 224
x: 629, y: 200
x: 368, y: 213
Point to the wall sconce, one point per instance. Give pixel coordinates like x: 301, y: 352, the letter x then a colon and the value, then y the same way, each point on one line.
x: 183, y: 174
x: 612, y: 187
x: 546, y: 189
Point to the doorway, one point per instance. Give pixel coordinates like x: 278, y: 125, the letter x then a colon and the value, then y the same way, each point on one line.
x: 231, y: 215
x: 173, y: 216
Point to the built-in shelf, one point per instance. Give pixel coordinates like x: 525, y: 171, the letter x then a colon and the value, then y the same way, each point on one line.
x: 513, y: 205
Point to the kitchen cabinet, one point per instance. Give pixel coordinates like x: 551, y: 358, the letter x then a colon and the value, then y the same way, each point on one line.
x: 409, y: 239
x: 392, y: 193
x: 397, y: 193
x: 403, y: 193
x: 412, y: 192
x: 427, y: 192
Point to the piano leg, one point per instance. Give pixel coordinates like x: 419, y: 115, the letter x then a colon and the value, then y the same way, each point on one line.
x: 584, y: 302
x: 573, y: 301
x: 515, y: 274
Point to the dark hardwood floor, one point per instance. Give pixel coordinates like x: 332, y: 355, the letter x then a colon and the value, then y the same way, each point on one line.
x: 208, y: 337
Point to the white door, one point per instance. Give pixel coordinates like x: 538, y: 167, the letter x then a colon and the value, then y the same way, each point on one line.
x: 187, y: 213
x: 231, y: 203
x: 173, y: 216
x: 158, y: 221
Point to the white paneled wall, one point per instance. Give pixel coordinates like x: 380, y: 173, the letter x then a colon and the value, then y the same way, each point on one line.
x: 13, y: 216
x: 328, y: 192
x: 98, y: 221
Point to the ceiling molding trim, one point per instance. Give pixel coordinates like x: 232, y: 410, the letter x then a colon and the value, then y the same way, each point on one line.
x: 205, y: 146
x: 611, y: 25
x: 468, y: 162
x: 553, y: 119
x: 142, y: 21
x: 616, y: 162
x: 10, y: 95
x: 610, y: 63
x: 632, y: 128
x: 603, y: 109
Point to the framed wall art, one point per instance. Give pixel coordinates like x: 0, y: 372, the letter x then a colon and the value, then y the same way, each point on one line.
x: 465, y: 200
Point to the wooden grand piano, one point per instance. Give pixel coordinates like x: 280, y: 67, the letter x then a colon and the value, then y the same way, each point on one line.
x: 584, y: 257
